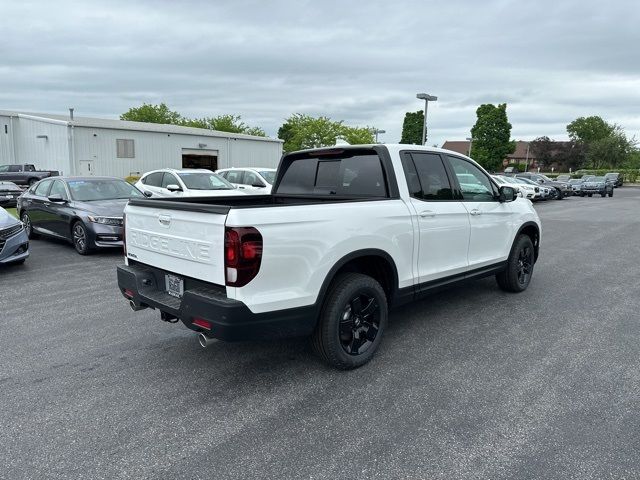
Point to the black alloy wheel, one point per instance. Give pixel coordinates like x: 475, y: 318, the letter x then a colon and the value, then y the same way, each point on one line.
x: 359, y: 324
x: 519, y: 270
x: 352, y: 321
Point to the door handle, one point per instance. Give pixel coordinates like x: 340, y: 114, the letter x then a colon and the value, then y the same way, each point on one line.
x: 427, y: 214
x: 476, y: 212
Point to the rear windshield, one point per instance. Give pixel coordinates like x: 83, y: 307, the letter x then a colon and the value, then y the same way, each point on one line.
x: 347, y: 173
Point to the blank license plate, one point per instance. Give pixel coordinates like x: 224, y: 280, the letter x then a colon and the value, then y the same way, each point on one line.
x: 175, y: 285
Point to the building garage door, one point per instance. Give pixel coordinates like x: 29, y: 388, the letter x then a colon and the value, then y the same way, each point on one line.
x: 200, y: 159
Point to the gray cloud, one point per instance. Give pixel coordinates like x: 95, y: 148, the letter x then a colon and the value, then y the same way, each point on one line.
x: 360, y: 62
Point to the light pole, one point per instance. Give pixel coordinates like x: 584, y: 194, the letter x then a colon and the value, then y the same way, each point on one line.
x: 470, y: 140
x: 427, y: 98
x: 376, y: 132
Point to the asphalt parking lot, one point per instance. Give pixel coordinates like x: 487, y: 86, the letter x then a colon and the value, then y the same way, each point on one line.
x: 471, y: 383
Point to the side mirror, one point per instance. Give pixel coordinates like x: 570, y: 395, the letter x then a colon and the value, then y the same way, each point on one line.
x: 56, y: 198
x: 257, y: 185
x: 147, y: 193
x: 540, y: 181
x: 507, y: 194
x: 174, y: 188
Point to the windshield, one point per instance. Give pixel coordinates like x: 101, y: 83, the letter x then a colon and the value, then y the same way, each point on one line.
x: 597, y: 179
x: 269, y: 176
x: 101, y: 189
x: 204, y: 181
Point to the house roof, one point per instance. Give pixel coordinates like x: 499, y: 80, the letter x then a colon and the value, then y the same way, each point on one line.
x: 458, y: 146
x: 95, y: 122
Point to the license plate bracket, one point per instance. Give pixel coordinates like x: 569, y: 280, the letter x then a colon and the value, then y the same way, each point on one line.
x: 174, y: 285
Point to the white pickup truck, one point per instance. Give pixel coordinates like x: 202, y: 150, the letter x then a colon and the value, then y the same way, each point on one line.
x: 347, y: 233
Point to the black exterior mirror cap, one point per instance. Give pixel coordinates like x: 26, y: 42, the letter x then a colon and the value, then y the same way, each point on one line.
x: 57, y: 198
x: 507, y: 194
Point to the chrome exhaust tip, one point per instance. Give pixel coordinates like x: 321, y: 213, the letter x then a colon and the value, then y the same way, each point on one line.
x: 205, y: 341
x: 135, y: 308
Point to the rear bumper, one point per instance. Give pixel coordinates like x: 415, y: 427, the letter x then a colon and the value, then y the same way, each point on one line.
x: 230, y: 319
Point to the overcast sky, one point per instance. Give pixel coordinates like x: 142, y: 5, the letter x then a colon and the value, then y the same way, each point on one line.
x: 361, y: 62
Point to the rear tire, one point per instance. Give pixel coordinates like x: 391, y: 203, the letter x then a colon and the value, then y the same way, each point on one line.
x: 589, y: 195
x: 517, y: 275
x: 559, y: 195
x: 353, y: 318
x: 611, y: 194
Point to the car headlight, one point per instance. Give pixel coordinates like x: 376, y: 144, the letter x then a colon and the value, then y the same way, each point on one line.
x: 115, y: 221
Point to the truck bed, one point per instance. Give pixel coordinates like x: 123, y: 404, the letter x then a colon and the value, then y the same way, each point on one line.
x: 223, y: 205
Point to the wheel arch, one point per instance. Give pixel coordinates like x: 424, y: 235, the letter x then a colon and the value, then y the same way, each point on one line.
x: 374, y: 262
x: 532, y: 230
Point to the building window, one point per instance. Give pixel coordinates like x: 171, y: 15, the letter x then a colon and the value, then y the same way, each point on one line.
x: 125, y: 148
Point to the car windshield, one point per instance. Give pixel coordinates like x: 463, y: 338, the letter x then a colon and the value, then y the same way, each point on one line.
x: 101, y: 189
x: 204, y: 181
x: 269, y: 176
x: 597, y: 179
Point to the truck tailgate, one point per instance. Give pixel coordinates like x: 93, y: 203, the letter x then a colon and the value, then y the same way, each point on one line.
x: 179, y: 241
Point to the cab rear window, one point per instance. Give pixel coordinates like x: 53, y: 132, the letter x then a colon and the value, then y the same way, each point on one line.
x: 350, y: 174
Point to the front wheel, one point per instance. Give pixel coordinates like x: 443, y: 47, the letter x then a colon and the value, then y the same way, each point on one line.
x: 517, y: 275
x: 559, y: 195
x: 611, y: 194
x: 589, y: 195
x: 80, y: 238
x: 28, y: 226
x: 352, y: 321
x: 603, y: 194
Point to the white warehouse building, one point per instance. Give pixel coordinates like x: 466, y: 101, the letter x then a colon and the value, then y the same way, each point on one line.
x: 117, y: 148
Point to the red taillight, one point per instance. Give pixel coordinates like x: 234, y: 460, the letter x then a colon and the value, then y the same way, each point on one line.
x: 242, y: 255
x: 128, y: 293
x: 202, y: 323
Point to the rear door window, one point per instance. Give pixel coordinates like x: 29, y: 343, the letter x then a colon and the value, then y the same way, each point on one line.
x: 154, y: 179
x: 346, y: 173
x: 235, y: 176
x: 431, y: 177
x: 43, y: 188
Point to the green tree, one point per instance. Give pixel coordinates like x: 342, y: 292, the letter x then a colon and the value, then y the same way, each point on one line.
x: 301, y: 131
x: 491, y: 136
x: 225, y: 123
x: 589, y: 129
x: 153, y: 114
x: 358, y: 135
x: 412, y: 128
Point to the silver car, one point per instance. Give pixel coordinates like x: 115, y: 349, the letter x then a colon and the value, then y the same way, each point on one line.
x: 14, y: 243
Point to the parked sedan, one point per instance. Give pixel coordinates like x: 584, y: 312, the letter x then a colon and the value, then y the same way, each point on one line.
x: 86, y: 211
x: 528, y: 185
x: 9, y: 193
x: 254, y: 180
x: 523, y: 191
x: 173, y: 183
x: 14, y: 243
x: 563, y: 189
x: 597, y: 185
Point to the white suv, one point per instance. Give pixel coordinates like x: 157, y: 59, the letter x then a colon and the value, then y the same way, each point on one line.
x: 173, y: 183
x: 254, y: 180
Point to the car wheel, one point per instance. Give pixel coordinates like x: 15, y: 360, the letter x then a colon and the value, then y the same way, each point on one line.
x: 603, y: 194
x: 559, y: 195
x: 517, y: 274
x: 80, y: 238
x: 28, y: 227
x: 582, y: 194
x: 611, y: 194
x: 589, y: 194
x: 352, y: 321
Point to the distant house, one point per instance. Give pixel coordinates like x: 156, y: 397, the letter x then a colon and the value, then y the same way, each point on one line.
x: 522, y: 154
